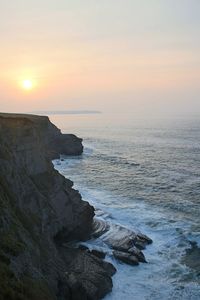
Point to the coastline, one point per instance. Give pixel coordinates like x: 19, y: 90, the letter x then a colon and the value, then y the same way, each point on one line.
x: 145, y: 199
x: 45, y: 216
x: 39, y: 209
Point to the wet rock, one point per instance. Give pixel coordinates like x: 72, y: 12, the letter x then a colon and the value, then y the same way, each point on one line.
x: 91, y: 274
x: 140, y: 245
x: 83, y: 247
x: 137, y: 253
x: 192, y: 257
x: 99, y: 227
x: 144, y: 238
x: 98, y: 253
x: 109, y: 268
x: 121, y: 239
x: 75, y: 289
x: 126, y: 258
x: 118, y: 236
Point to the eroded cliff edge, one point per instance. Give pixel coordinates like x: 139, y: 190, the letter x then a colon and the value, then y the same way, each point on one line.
x: 39, y: 209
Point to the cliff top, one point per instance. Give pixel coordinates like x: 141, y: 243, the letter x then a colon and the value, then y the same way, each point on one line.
x: 20, y: 116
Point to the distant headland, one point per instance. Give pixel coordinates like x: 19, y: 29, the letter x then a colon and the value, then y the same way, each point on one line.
x: 67, y: 112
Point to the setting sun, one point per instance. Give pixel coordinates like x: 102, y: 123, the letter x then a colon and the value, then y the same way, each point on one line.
x: 27, y: 84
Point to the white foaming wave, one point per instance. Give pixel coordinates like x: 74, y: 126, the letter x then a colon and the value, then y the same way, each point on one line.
x: 159, y: 279
x: 66, y: 161
x: 164, y: 255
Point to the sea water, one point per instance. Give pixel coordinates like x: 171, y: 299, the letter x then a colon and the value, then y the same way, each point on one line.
x: 143, y: 173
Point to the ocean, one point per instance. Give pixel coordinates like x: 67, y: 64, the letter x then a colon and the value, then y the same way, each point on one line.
x: 144, y: 173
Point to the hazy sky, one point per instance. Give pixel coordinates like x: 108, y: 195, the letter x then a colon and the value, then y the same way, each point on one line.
x: 121, y: 55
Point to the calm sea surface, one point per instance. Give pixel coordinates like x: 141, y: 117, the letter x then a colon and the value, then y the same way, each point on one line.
x: 145, y: 173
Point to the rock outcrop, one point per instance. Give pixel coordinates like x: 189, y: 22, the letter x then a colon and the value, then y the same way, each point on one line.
x: 39, y: 211
x: 126, y: 245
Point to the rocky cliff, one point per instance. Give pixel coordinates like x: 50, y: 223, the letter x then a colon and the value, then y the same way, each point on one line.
x: 39, y: 212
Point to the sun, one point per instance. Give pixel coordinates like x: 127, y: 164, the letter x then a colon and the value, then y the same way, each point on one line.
x: 27, y: 84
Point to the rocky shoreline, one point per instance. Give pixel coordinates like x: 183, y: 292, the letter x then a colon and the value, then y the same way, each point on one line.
x: 42, y: 219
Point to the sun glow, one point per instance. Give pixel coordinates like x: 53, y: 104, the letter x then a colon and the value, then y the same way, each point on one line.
x: 27, y: 84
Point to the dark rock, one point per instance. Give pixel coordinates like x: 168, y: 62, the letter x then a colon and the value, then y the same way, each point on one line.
x: 83, y: 247
x: 76, y: 290
x: 126, y: 258
x: 139, y: 244
x: 40, y: 211
x: 109, y: 268
x: 144, y: 238
x: 136, y: 252
x: 91, y: 274
x: 98, y: 253
x: 121, y: 239
x: 191, y: 258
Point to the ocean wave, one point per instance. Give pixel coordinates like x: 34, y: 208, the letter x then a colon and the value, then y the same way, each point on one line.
x: 116, y: 159
x: 152, y: 185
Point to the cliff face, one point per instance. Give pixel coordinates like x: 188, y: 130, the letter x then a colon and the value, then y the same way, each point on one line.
x: 39, y: 212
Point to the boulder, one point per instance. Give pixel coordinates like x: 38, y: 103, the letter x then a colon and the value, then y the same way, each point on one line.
x: 126, y: 258
x: 125, y: 241
x: 91, y: 274
x: 98, y: 253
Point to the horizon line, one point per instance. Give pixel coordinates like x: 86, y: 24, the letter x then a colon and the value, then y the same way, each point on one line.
x: 66, y: 112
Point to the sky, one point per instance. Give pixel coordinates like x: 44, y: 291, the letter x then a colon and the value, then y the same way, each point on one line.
x: 140, y: 56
